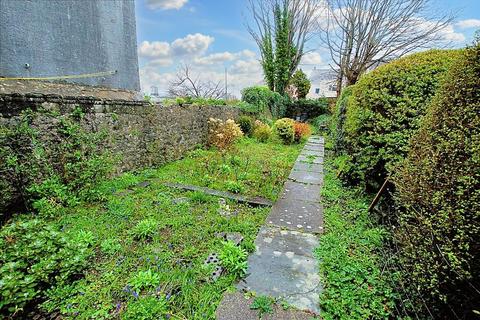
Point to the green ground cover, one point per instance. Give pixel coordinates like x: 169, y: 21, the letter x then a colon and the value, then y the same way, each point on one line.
x: 148, y: 243
x: 356, y: 284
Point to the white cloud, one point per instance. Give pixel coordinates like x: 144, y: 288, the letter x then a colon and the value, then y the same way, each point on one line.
x: 166, y: 4
x: 468, y: 24
x: 312, y: 58
x: 192, y: 44
x: 216, y: 58
x: 155, y: 49
x: 449, y: 34
x: 246, y: 67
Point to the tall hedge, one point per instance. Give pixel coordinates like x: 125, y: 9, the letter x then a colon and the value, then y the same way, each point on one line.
x: 386, y: 109
x: 337, y: 124
x: 438, y: 187
x: 266, y: 101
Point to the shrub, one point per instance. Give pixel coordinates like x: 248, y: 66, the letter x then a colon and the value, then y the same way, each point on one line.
x: 299, y: 84
x: 144, y: 280
x: 246, y: 124
x: 266, y: 101
x: 302, y: 131
x: 439, y: 190
x: 262, y: 132
x: 222, y: 134
x: 285, y: 130
x: 337, y: 124
x: 386, y: 109
x: 234, y: 259
x: 307, y: 108
x: 34, y: 257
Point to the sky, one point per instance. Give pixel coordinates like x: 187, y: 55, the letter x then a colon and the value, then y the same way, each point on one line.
x: 211, y: 36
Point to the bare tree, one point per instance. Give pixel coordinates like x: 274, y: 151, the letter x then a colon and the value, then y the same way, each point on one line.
x: 186, y: 85
x: 281, y: 28
x: 363, y: 33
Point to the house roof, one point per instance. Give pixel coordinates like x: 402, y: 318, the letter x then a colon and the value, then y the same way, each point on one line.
x: 323, y: 75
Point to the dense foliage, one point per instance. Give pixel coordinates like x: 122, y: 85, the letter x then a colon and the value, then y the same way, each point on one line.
x: 356, y: 284
x: 222, y: 134
x: 439, y: 192
x: 266, y: 101
x: 50, y: 172
x: 300, y: 84
x: 285, y: 130
x: 386, y: 108
x: 262, y: 132
x: 305, y: 109
x: 36, y: 256
x: 246, y: 124
x: 337, y: 123
x: 302, y: 131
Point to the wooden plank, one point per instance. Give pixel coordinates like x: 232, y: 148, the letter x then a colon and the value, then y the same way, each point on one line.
x: 257, y: 201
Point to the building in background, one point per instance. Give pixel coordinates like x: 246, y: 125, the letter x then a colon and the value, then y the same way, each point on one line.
x: 323, y: 84
x: 55, y: 38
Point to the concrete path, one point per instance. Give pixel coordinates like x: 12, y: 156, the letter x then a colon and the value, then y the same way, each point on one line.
x: 283, y: 265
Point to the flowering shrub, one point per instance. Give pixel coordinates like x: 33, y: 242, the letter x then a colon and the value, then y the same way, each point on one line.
x: 285, y: 129
x: 262, y: 132
x: 302, y: 130
x: 222, y: 134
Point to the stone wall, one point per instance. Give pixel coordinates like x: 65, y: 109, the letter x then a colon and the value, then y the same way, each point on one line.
x: 140, y: 133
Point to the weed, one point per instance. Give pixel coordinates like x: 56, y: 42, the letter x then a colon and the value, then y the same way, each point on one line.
x: 110, y: 246
x: 144, y: 280
x: 146, y: 308
x: 234, y: 259
x: 263, y: 304
x: 145, y: 229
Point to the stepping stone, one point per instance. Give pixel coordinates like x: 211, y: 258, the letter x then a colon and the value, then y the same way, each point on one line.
x: 297, y: 215
x: 300, y: 191
x: 309, y: 177
x: 283, y: 266
x: 306, y: 152
x: 309, y: 159
x: 311, y: 167
x: 313, y: 147
x: 235, y: 306
x: 316, y: 139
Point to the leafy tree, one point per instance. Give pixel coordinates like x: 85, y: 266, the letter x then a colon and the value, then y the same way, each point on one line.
x: 301, y: 84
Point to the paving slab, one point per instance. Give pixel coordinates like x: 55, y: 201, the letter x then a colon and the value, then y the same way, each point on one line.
x: 300, y: 191
x: 297, y: 215
x: 313, y: 147
x: 316, y: 139
x: 235, y: 306
x: 310, y: 159
x: 303, y: 166
x: 317, y: 153
x: 308, y: 177
x: 283, y: 267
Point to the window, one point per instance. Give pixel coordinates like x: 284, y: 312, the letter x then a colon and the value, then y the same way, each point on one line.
x: 332, y: 87
x: 317, y: 90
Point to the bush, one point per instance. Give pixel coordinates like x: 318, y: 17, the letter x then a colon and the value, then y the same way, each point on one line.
x: 262, y: 132
x: 302, y: 131
x: 305, y: 109
x: 439, y: 191
x: 337, y: 124
x: 285, y: 130
x: 246, y: 124
x: 146, y: 308
x: 266, y: 101
x: 386, y: 109
x: 34, y: 257
x: 222, y: 134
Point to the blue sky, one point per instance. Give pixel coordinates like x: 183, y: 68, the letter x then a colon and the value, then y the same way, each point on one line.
x: 210, y: 35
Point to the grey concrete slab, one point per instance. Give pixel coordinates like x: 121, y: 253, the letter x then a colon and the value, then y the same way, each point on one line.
x: 313, y: 147
x: 310, y: 177
x: 235, y: 306
x: 310, y: 159
x: 300, y: 191
x: 316, y: 153
x: 297, y: 215
x: 303, y: 166
x: 283, y: 266
x: 316, y: 139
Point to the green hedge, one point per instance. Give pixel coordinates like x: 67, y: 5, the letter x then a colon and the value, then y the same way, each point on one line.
x: 266, y: 101
x: 337, y: 123
x: 439, y: 190
x: 386, y: 109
